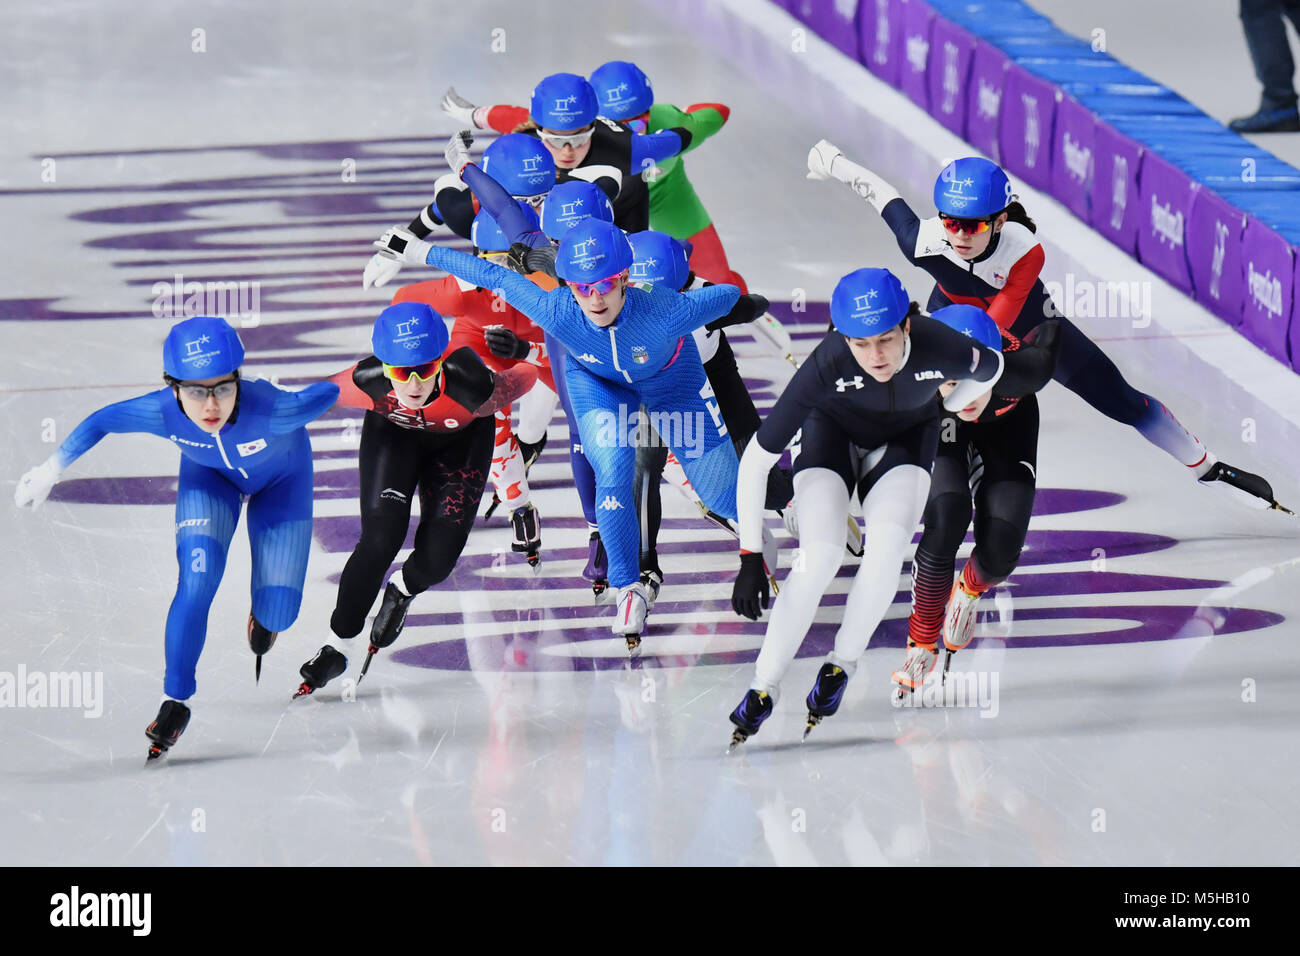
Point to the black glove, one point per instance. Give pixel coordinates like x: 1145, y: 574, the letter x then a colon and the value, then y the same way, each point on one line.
x: 747, y: 308
x: 1030, y: 367
x: 751, y: 587
x: 504, y: 343
x: 516, y: 256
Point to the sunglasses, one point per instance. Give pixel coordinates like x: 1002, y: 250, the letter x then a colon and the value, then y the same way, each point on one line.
x: 971, y: 227
x: 638, y: 124
x: 534, y: 201
x: 222, y: 390
x: 603, y: 286
x: 561, y: 140
x: 404, y: 373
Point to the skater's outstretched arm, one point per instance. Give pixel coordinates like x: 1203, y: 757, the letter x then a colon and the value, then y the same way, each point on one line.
x: 703, y: 306
x: 293, y: 410
x: 1029, y: 366
x: 508, y: 384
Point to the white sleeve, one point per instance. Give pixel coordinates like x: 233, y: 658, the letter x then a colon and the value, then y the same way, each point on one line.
x: 863, y: 182
x: 751, y: 493
x: 968, y: 389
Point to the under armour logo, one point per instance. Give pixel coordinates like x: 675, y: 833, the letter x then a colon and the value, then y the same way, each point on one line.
x: 610, y: 503
x: 841, y: 384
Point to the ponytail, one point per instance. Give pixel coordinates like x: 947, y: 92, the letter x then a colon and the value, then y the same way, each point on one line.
x: 1016, y: 213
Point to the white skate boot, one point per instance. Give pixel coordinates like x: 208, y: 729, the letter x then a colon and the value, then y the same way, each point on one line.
x: 633, y: 606
x: 959, y: 623
x: 919, y: 662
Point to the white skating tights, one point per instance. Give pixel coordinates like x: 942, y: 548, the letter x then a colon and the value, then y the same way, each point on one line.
x: 891, y: 512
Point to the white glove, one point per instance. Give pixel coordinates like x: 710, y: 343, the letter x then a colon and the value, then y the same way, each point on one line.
x: 769, y: 331
x: 34, y: 487
x: 458, y: 108
x: 457, y: 151
x: 398, y: 243
x: 379, y: 270
x: 820, y: 159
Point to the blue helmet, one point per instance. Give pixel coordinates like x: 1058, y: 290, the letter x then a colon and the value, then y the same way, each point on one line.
x: 486, y: 233
x: 520, y: 163
x: 622, y: 90
x: 409, y: 333
x: 972, y: 188
x: 973, y: 321
x: 868, y: 302
x: 658, y: 259
x: 563, y: 101
x: 570, y: 203
x: 592, y: 250
x: 202, y: 347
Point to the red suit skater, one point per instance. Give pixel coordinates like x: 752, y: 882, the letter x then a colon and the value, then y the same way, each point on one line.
x: 427, y: 430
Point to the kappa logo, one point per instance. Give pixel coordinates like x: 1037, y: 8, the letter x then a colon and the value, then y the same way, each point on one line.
x: 841, y: 384
x: 610, y: 504
x: 250, y: 447
x: 927, y: 375
x: 588, y: 357
x: 392, y: 494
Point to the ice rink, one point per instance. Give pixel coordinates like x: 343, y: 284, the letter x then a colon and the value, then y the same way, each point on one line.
x: 1136, y: 685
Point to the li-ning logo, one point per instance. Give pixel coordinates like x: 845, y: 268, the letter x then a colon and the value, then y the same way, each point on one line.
x: 1166, y: 223
x: 1220, y: 252
x: 75, y: 909
x: 1119, y: 192
x: 841, y: 384
x: 951, y: 86
x: 392, y: 494
x: 927, y: 375
x: 1265, y: 290
x: 1031, y: 129
x: 610, y: 504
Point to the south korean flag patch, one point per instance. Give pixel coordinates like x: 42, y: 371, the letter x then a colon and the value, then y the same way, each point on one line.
x: 250, y: 447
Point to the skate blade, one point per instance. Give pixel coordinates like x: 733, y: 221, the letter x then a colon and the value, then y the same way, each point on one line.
x: 601, y: 594
x: 303, y: 690
x: 535, y: 563
x: 155, y: 751
x: 1282, y: 508
x: 738, y: 737
x: 813, y: 721
x: 257, y: 670
x: 633, y: 645
x: 492, y: 507
x: 370, y: 655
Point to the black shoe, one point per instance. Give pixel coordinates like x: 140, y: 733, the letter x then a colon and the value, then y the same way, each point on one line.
x: 1249, y: 490
x: 260, y: 640
x: 391, y: 617
x: 826, y: 694
x: 749, y: 716
x: 531, y: 451
x: 173, y: 717
x: 320, y: 670
x: 1286, y: 120
x: 528, y: 533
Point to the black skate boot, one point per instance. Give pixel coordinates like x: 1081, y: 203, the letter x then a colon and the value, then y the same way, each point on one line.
x: 653, y: 579
x: 388, y: 623
x: 597, y: 569
x: 749, y: 716
x: 531, y: 451
x: 528, y: 535
x: 492, y: 506
x: 173, y: 717
x: 1247, y: 489
x: 260, y: 640
x: 825, y: 696
x: 320, y: 670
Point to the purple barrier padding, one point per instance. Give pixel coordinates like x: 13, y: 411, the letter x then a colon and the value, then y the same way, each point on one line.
x: 1164, y: 202
x: 1025, y: 128
x: 1293, y: 331
x: 1214, y: 234
x: 1114, y: 209
x: 1073, y: 156
x: 984, y: 101
x: 951, y: 52
x: 1268, y: 276
x: 835, y: 21
x: 880, y: 37
x: 917, y: 19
